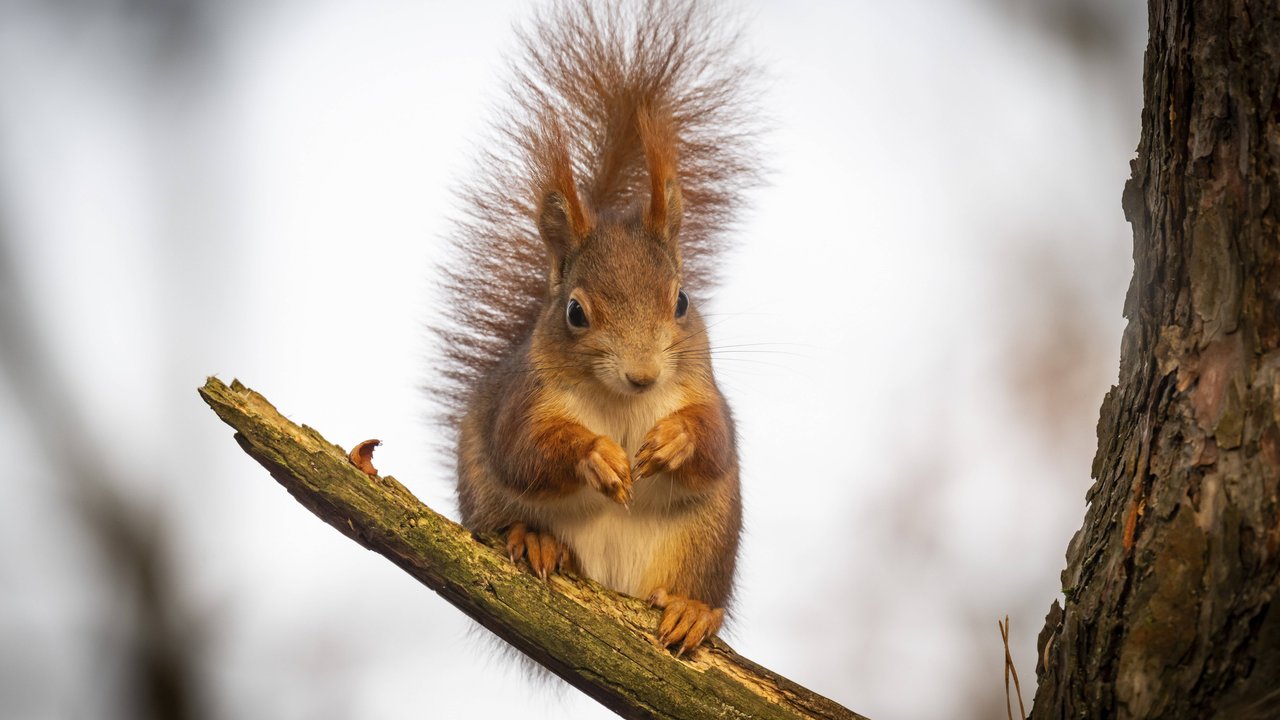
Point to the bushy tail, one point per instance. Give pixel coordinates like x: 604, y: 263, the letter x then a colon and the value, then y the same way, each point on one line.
x: 584, y: 72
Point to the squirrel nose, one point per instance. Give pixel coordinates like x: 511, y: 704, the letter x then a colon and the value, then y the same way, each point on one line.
x: 641, y: 380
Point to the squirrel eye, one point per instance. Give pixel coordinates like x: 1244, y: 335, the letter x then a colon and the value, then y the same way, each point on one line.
x: 682, y: 303
x: 576, y: 316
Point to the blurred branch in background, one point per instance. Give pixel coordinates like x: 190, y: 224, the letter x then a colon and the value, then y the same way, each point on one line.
x: 146, y: 642
x: 1097, y: 29
x: 1058, y: 351
x: 152, y: 646
x: 172, y: 34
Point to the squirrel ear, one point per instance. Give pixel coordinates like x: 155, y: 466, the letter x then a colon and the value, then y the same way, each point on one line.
x: 666, y: 203
x: 666, y: 207
x: 556, y: 224
x: 563, y: 222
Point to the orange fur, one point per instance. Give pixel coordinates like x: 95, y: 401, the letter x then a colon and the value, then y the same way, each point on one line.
x: 581, y: 77
x: 662, y: 214
x: 612, y: 191
x: 703, y: 427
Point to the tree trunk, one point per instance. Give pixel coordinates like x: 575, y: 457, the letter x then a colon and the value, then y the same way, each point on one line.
x: 1169, y: 584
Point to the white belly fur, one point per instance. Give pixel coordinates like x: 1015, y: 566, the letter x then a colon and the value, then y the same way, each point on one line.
x: 615, y: 548
x: 614, y: 545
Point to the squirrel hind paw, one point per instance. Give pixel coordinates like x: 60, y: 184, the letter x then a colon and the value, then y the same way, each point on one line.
x: 686, y: 623
x: 543, y: 553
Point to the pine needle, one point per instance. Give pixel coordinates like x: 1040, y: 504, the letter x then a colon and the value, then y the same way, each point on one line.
x: 1009, y: 669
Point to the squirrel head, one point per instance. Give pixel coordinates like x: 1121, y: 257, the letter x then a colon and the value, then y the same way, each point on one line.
x: 616, y: 308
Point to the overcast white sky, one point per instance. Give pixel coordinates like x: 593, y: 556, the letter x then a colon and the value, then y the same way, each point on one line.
x: 940, y: 260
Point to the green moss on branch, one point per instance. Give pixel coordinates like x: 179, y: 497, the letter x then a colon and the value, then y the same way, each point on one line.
x: 597, y: 640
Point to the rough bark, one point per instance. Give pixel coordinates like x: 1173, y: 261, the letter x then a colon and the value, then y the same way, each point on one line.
x: 601, y: 642
x: 1170, y: 583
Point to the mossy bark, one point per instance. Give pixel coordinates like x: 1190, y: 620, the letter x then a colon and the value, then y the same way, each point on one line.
x: 1171, y: 583
x: 601, y: 642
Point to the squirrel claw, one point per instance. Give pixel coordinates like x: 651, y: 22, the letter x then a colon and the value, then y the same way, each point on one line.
x: 515, y: 541
x: 685, y: 623
x: 667, y: 446
x: 606, y: 469
x: 545, y: 554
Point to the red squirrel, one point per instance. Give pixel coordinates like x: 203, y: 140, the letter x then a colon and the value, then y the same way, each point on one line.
x: 578, y: 377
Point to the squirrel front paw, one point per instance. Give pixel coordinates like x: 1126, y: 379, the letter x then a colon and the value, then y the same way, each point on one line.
x: 667, y: 446
x: 605, y: 468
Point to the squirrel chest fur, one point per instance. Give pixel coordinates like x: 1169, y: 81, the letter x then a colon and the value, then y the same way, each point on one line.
x: 591, y: 432
x: 623, y: 546
x: 627, y: 547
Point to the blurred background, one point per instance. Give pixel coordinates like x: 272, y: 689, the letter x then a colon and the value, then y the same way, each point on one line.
x: 258, y: 190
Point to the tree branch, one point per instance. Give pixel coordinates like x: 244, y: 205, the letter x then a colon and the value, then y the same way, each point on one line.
x: 599, y: 641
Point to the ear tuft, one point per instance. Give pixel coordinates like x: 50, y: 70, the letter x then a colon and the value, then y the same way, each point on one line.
x: 666, y: 203
x: 563, y: 222
x: 557, y: 226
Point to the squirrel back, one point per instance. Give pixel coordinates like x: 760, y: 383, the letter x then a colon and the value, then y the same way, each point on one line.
x: 589, y: 80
